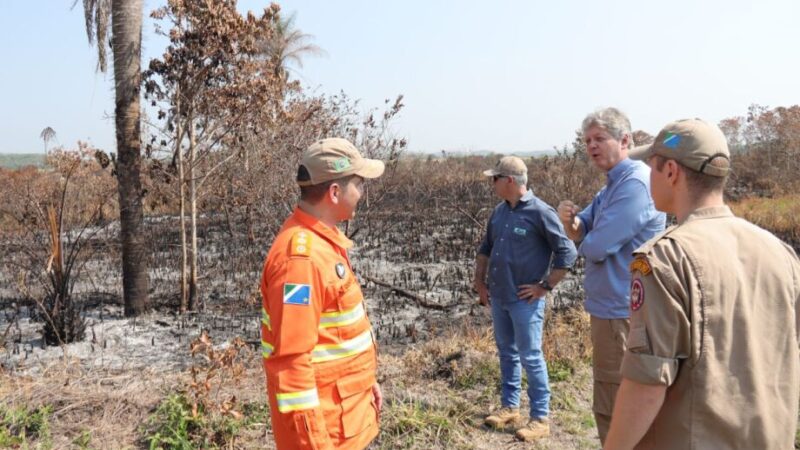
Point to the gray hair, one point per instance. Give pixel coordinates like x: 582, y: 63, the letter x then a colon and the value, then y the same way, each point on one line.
x: 521, y: 180
x: 612, y: 120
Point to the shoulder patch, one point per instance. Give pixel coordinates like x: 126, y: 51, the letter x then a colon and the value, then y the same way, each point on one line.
x: 637, y: 294
x: 641, y: 265
x: 301, y: 244
x: 296, y: 294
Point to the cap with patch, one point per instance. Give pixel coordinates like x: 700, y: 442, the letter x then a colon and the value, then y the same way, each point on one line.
x: 334, y: 158
x: 508, y: 166
x: 691, y: 142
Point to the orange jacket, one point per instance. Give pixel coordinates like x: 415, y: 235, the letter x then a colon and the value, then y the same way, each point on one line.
x: 318, y: 350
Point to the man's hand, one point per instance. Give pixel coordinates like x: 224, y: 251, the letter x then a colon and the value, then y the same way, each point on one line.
x: 568, y: 215
x: 567, y: 212
x: 483, y: 293
x: 378, y: 396
x: 531, y: 292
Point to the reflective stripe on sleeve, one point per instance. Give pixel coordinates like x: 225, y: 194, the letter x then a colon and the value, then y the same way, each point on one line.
x: 293, y: 401
x: 341, y: 318
x: 265, y: 319
x: 330, y: 352
x: 266, y: 349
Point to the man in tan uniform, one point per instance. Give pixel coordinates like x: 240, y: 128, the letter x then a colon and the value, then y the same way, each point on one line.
x: 712, y: 358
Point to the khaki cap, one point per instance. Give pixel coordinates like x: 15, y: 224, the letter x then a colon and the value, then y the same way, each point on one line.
x: 691, y: 142
x: 334, y: 158
x: 508, y: 166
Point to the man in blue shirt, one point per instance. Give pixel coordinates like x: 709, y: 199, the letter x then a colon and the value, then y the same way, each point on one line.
x: 522, y: 238
x: 621, y: 217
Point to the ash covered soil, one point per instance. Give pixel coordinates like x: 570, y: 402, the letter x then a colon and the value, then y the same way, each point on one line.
x: 436, y: 268
x: 159, y: 341
x: 416, y: 276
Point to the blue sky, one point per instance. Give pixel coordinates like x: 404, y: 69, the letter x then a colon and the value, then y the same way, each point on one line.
x: 508, y: 76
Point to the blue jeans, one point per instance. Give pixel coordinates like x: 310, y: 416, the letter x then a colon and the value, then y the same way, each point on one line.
x: 518, y: 334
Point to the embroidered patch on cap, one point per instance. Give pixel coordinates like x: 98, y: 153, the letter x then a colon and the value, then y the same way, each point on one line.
x: 640, y: 264
x: 296, y: 294
x: 637, y: 294
x: 672, y: 141
x: 341, y: 164
x: 520, y: 231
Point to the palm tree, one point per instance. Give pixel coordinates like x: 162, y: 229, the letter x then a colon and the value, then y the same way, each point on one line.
x: 125, y: 17
x: 288, y: 45
x: 47, y: 135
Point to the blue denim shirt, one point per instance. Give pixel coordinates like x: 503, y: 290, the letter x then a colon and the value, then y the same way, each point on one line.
x: 621, y: 217
x: 521, y: 242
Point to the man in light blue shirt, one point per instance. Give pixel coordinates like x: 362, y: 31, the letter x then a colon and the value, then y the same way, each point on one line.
x: 524, y: 254
x: 620, y: 218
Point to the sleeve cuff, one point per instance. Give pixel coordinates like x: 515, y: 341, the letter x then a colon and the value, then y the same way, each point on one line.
x: 565, y: 262
x: 649, y: 369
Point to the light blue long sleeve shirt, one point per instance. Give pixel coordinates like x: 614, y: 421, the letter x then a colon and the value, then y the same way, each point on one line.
x: 621, y: 217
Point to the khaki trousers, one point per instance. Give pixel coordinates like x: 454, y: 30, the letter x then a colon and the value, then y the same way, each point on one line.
x: 608, y: 346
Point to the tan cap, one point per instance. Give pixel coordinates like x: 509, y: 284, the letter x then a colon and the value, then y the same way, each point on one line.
x: 334, y: 158
x: 691, y: 142
x: 508, y: 166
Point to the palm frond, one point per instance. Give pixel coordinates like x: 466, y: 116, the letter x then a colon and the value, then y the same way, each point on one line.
x: 102, y: 19
x: 97, y: 15
x: 289, y: 44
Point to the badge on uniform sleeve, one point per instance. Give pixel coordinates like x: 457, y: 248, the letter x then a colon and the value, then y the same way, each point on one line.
x: 340, y: 270
x: 296, y: 294
x: 640, y: 264
x: 301, y: 244
x: 637, y: 294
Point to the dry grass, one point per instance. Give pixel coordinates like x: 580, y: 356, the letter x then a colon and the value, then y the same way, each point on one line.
x: 108, y: 407
x: 567, y: 342
x: 437, y: 394
x: 440, y: 391
x: 780, y: 215
x: 112, y: 410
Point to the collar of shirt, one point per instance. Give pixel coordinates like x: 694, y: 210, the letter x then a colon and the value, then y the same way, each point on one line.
x: 333, y: 235
x: 526, y: 197
x: 617, y: 171
x: 709, y: 212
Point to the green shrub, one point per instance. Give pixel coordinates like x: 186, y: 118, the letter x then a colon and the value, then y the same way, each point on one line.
x: 22, y: 427
x: 560, y: 370
x: 83, y: 440
x: 173, y: 424
x: 178, y: 425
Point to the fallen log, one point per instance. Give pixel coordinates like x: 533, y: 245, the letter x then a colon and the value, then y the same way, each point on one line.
x: 407, y: 294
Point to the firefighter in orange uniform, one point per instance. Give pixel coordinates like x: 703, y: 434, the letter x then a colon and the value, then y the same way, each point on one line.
x: 317, y: 345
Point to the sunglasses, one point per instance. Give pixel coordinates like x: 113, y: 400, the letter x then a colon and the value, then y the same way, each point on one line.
x: 497, y: 177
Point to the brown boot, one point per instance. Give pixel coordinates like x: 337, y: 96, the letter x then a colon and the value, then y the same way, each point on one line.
x: 534, y: 429
x: 502, y: 417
